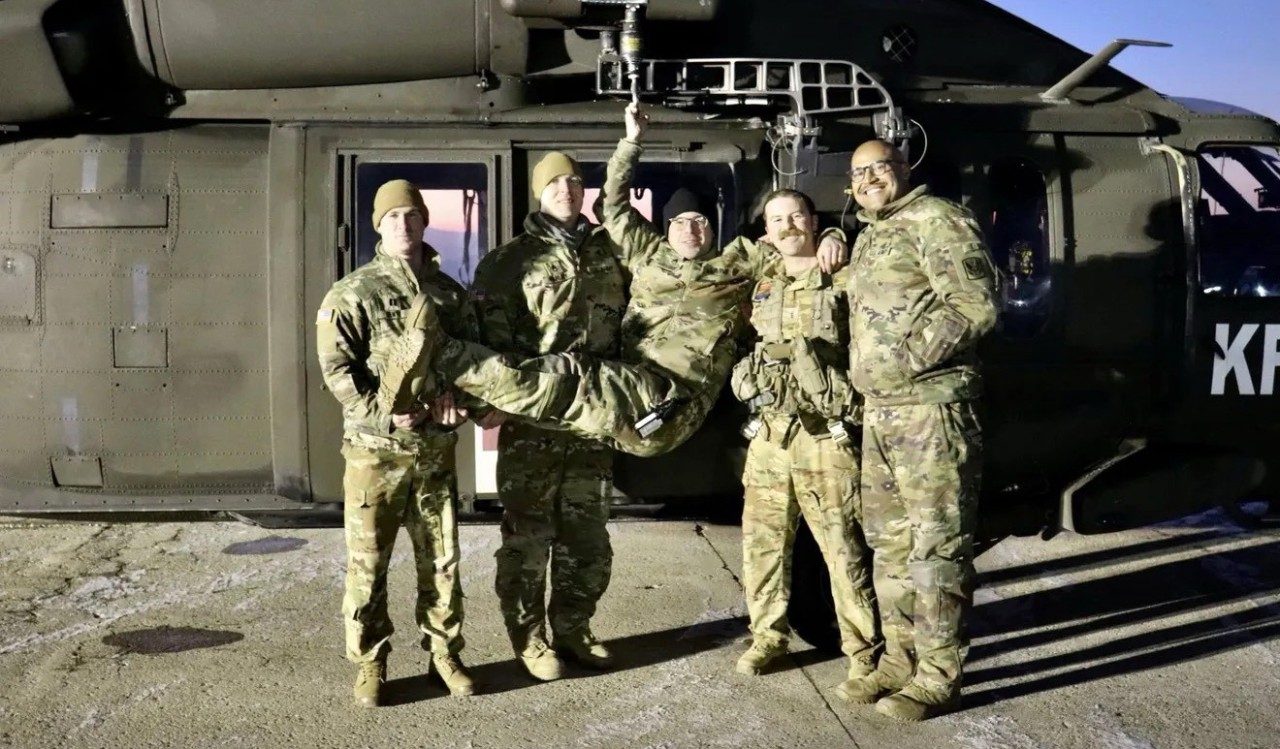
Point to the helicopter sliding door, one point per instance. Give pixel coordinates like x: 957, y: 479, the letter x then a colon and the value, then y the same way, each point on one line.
x: 133, y: 294
x: 1235, y: 358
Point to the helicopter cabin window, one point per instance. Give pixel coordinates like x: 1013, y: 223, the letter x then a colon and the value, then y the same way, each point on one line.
x: 1019, y: 242
x: 457, y: 197
x: 1238, y: 221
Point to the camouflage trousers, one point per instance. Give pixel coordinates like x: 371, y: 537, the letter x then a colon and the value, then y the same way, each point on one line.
x: 595, y: 399
x: 384, y: 490
x: 921, y: 471
x: 787, y: 475
x: 555, y: 491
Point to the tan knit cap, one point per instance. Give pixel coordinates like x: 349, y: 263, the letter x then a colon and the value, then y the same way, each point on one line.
x: 552, y: 165
x: 398, y: 193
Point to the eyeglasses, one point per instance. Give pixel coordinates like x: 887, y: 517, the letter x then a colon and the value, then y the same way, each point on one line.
x: 687, y: 222
x: 877, y: 168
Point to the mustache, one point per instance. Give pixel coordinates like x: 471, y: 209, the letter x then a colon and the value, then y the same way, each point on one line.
x: 788, y: 233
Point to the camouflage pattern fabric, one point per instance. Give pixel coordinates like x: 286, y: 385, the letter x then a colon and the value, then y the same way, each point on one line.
x: 794, y: 466
x: 537, y: 296
x: 924, y: 289
x: 384, y: 490
x: 555, y: 493
x: 800, y: 321
x: 678, y: 337
x: 393, y: 476
x: 594, y: 399
x: 788, y: 474
x: 360, y: 320
x: 921, y: 472
x: 677, y: 307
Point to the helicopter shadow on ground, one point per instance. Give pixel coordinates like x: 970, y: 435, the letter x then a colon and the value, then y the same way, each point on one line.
x: 631, y: 652
x: 1194, y: 587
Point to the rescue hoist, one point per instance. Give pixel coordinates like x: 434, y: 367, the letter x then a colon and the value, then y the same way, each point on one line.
x: 801, y: 90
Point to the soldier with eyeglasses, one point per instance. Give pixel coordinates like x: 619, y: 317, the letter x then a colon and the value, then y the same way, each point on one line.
x: 923, y: 294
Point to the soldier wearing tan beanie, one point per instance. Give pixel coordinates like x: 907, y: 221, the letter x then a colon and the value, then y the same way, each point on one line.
x: 556, y: 288
x: 398, y: 193
x: 550, y: 167
x: 400, y: 466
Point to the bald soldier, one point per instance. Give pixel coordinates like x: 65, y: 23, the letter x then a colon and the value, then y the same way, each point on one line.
x: 400, y: 462
x: 924, y: 293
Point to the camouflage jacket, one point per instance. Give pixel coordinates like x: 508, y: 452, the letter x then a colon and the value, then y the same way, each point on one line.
x: 536, y: 295
x: 807, y: 382
x: 669, y: 295
x: 359, y: 319
x: 924, y: 291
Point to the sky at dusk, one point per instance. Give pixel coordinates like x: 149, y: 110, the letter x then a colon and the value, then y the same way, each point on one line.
x: 1227, y: 50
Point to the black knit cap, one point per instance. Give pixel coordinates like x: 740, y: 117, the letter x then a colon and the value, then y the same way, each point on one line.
x: 684, y: 200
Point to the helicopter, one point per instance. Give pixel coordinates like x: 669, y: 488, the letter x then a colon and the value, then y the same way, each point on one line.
x: 181, y: 181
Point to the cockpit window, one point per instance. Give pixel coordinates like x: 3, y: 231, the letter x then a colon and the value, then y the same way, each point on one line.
x: 1238, y: 221
x: 1020, y: 245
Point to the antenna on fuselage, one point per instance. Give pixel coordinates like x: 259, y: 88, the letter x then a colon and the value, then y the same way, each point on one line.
x: 1060, y: 90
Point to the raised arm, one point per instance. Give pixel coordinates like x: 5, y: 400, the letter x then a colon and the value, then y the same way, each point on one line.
x: 629, y: 229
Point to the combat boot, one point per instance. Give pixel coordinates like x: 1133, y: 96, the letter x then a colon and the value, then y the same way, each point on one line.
x: 448, y: 666
x: 918, y: 701
x: 758, y: 657
x: 369, y: 681
x: 861, y: 666
x: 586, y: 650
x: 408, y: 373
x: 864, y: 689
x: 541, y: 662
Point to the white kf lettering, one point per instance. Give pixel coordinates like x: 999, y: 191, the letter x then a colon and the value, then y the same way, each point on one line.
x: 1270, y: 360
x: 1229, y: 359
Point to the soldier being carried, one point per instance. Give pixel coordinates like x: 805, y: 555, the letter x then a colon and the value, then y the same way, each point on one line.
x: 679, y: 330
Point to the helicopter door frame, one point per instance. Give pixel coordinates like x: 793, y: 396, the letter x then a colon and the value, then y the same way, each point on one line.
x: 333, y: 201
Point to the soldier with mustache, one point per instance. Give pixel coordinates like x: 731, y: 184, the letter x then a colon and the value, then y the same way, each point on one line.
x: 802, y: 458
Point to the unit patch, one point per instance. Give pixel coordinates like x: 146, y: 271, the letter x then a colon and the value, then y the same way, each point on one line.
x: 324, y: 315
x: 762, y: 291
x: 975, y: 268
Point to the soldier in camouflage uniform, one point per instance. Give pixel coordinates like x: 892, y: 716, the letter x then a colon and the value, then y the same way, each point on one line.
x: 399, y: 466
x: 557, y: 288
x: 923, y: 291
x: 802, y: 459
x: 678, y: 331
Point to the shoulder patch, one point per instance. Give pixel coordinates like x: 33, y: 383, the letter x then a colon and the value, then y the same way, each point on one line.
x: 975, y: 268
x: 324, y: 316
x: 763, y: 290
